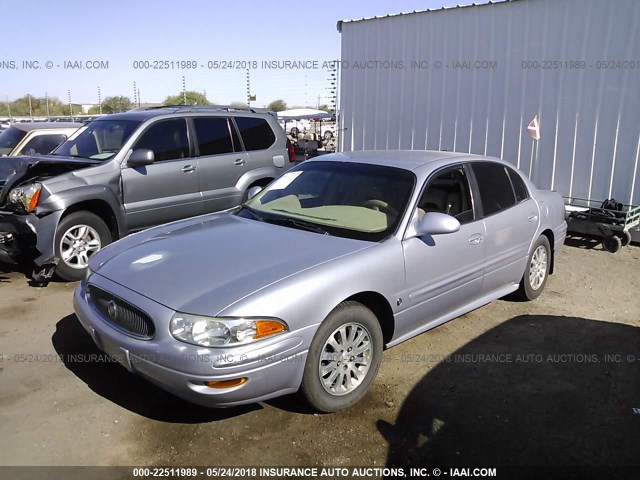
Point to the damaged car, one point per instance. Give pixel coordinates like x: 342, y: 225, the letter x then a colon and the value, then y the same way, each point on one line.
x: 126, y: 172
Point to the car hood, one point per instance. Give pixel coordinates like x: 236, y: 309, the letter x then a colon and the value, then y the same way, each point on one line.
x: 205, y: 265
x: 14, y: 169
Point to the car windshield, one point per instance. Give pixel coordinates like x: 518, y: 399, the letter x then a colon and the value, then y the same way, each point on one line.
x: 9, y: 139
x: 353, y: 200
x: 99, y: 140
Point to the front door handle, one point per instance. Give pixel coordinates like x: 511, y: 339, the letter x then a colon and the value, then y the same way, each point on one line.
x: 188, y: 169
x: 533, y: 218
x: 239, y: 161
x: 475, y: 239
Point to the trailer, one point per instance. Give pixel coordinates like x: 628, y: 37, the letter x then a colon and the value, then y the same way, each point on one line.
x: 609, y: 222
x: 473, y: 78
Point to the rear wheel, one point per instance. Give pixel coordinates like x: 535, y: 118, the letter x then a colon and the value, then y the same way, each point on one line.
x: 343, y: 358
x: 626, y: 238
x: 537, y: 271
x: 78, y: 237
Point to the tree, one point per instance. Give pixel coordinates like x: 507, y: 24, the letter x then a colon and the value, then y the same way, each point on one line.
x: 116, y: 104
x: 193, y: 98
x: 20, y: 107
x: 326, y: 108
x: 277, y: 106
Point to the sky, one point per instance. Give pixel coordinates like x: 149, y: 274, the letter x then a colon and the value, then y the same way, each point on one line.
x: 154, y: 33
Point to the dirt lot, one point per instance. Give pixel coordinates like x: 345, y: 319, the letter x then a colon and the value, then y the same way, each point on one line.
x: 552, y: 382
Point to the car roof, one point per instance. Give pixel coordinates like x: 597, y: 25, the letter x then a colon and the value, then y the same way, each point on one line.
x: 143, y: 114
x: 28, y: 127
x: 407, y: 159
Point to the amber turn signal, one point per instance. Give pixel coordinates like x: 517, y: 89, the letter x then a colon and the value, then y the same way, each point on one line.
x: 226, y: 383
x: 264, y: 328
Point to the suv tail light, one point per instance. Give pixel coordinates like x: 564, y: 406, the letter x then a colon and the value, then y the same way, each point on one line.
x: 291, y: 152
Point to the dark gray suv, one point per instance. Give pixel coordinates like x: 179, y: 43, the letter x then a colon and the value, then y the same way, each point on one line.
x: 126, y: 172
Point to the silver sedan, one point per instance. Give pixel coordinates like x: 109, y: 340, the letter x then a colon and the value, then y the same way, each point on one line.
x: 302, y: 287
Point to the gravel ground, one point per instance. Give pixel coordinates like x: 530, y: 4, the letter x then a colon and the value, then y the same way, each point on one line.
x: 551, y: 382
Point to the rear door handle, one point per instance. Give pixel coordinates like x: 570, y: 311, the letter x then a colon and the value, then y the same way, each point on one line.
x: 533, y: 218
x: 239, y: 161
x: 475, y: 239
x: 188, y: 169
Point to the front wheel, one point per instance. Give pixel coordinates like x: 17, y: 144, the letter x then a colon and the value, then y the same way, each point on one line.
x: 612, y: 244
x: 343, y: 359
x: 537, y: 271
x: 78, y: 237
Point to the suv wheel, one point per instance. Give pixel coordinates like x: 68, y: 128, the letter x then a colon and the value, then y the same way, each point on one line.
x: 343, y: 358
x: 78, y: 237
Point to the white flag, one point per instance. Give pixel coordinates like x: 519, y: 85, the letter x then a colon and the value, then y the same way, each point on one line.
x: 534, y: 128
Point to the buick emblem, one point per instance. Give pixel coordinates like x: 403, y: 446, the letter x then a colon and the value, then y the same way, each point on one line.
x: 112, y: 309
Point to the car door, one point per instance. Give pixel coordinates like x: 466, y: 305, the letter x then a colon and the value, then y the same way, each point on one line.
x: 168, y: 189
x: 221, y: 162
x: 443, y: 272
x: 511, y: 221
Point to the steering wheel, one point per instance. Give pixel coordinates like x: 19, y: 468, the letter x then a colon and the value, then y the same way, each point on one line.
x: 380, y: 206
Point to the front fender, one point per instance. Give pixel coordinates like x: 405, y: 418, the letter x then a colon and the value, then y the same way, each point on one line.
x: 53, y: 206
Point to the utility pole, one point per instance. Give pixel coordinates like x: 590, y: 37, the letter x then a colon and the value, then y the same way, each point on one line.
x: 70, y: 107
x: 30, y: 110
x: 139, y: 101
x: 135, y: 93
x: 9, y: 107
x: 99, y: 101
x: 46, y: 100
x: 248, y: 89
x: 184, y: 91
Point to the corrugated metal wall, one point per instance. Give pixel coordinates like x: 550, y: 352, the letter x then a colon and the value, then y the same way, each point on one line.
x: 589, y: 115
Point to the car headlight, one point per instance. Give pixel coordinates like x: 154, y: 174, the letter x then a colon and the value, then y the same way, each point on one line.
x: 223, y: 332
x: 26, y: 195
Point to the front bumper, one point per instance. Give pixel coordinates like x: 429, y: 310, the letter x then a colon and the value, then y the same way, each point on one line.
x: 272, y: 367
x: 29, y: 236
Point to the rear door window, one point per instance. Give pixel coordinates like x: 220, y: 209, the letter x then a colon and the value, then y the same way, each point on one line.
x: 519, y: 187
x: 256, y: 133
x: 214, y: 135
x: 496, y: 192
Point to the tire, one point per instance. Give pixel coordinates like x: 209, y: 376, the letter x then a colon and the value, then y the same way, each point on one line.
x: 537, y: 272
x: 91, y: 230
x: 612, y: 244
x: 352, y: 318
x: 626, y: 238
x: 328, y: 135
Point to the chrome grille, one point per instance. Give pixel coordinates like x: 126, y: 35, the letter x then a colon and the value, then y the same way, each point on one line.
x: 121, y: 314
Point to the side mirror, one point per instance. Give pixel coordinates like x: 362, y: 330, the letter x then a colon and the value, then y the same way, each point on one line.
x: 436, y: 223
x: 141, y: 157
x: 253, y: 191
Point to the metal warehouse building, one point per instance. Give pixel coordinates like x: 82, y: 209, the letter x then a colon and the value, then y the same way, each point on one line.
x: 472, y: 78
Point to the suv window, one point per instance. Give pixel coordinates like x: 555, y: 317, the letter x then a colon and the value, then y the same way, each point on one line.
x: 496, y: 192
x: 42, y: 144
x: 448, y: 192
x: 168, y: 139
x: 519, y: 186
x: 255, y: 132
x: 213, y: 135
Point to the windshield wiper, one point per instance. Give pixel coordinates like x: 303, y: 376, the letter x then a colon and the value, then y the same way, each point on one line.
x: 252, y: 212
x: 297, y: 224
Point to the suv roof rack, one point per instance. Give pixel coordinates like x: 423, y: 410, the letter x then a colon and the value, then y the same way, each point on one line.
x: 209, y: 108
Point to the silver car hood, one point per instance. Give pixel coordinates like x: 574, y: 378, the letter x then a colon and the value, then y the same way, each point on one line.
x: 204, y: 265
